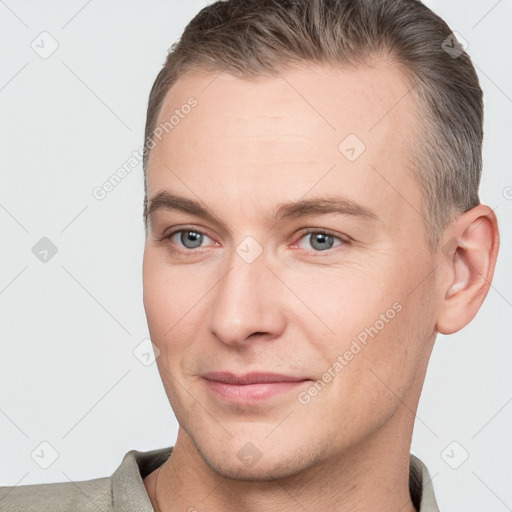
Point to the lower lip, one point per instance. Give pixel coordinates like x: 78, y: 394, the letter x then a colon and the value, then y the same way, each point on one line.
x: 247, y: 393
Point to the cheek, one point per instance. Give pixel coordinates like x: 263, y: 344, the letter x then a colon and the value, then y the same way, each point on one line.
x: 365, y: 324
x: 176, y: 301
x: 166, y: 307
x: 394, y: 344
x: 164, y: 303
x: 371, y: 378
x: 343, y: 304
x: 169, y: 293
x: 155, y: 296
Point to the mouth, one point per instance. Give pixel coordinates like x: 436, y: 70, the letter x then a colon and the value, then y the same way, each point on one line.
x: 251, y: 387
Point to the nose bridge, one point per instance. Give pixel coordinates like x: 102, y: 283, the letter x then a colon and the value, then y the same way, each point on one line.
x: 242, y: 302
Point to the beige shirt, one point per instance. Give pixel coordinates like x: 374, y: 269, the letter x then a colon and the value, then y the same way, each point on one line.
x: 124, y: 491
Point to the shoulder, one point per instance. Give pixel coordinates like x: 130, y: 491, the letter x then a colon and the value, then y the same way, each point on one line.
x: 124, y: 491
x: 420, y: 486
x: 87, y: 495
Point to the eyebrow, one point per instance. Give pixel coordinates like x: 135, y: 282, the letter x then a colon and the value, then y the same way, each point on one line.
x: 293, y: 210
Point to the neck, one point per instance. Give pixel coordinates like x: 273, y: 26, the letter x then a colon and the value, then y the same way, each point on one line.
x: 371, y: 476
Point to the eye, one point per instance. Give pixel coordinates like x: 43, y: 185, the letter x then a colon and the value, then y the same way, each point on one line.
x: 320, y: 240
x: 187, y: 238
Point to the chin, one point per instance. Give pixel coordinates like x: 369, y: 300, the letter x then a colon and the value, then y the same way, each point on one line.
x: 267, y: 471
x: 244, y: 461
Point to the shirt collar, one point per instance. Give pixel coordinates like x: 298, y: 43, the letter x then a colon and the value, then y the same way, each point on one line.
x: 129, y: 493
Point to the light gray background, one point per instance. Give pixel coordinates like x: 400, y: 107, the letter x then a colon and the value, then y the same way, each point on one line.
x: 69, y: 376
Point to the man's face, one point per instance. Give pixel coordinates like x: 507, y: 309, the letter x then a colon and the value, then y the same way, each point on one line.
x: 353, y: 311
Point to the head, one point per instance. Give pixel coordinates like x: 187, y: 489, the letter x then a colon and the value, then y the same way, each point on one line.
x: 311, y: 208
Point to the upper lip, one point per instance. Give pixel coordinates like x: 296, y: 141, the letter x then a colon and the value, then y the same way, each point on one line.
x: 251, y: 378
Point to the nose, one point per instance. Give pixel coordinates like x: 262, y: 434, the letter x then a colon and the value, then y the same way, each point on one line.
x: 245, y: 303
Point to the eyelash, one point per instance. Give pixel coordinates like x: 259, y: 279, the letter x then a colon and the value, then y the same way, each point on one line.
x: 308, y: 231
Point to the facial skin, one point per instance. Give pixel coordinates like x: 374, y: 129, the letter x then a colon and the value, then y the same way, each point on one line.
x: 246, y: 148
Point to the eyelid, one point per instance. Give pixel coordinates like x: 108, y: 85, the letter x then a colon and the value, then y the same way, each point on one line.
x: 166, y: 239
x: 343, y: 238
x: 177, y: 229
x: 302, y: 233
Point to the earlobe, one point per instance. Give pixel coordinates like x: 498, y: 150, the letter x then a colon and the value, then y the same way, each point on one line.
x: 468, y: 258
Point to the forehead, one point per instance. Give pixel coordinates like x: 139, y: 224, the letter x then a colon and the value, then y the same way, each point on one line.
x: 308, y: 128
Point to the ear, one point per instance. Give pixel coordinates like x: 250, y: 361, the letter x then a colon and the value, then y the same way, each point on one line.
x: 467, y: 257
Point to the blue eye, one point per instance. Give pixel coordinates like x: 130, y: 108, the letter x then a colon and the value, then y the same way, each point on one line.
x: 190, y: 239
x: 313, y: 240
x: 321, y: 240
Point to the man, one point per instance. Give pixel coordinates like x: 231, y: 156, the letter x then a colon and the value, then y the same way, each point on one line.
x: 312, y: 222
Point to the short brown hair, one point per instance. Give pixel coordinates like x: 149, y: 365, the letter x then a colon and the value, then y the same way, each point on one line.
x: 250, y: 38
